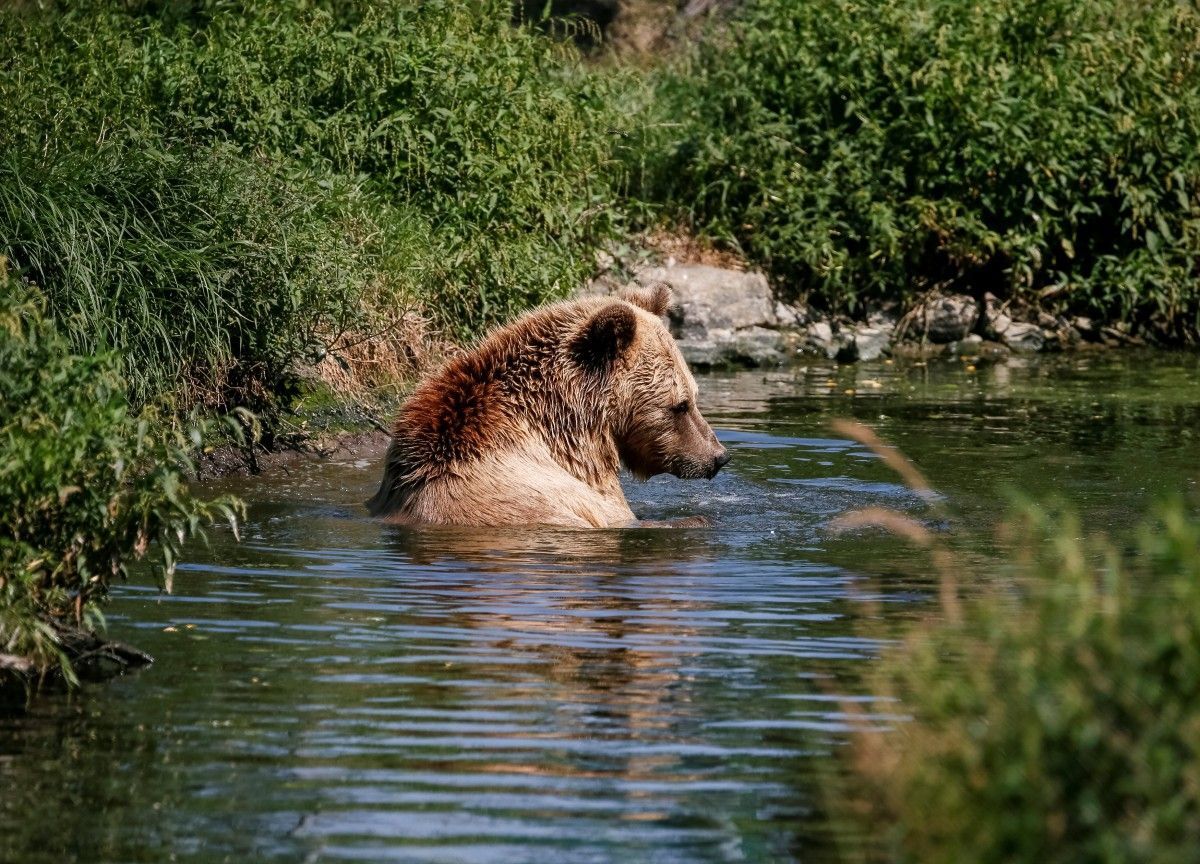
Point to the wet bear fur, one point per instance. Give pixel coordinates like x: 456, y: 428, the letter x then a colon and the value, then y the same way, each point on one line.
x: 533, y: 425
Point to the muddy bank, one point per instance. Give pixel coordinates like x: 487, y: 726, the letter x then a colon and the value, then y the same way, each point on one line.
x: 368, y: 442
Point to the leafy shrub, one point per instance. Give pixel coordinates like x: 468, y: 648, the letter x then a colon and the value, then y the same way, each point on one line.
x: 1038, y: 148
x: 219, y: 187
x: 85, y: 487
x: 495, y: 134
x: 1056, y: 719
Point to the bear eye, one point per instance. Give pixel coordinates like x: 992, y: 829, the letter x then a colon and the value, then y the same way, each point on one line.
x: 682, y: 408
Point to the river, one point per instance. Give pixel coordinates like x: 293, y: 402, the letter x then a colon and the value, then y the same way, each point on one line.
x: 332, y: 689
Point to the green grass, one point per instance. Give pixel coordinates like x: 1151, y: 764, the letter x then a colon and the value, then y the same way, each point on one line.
x: 207, y: 271
x: 217, y: 193
x: 864, y: 151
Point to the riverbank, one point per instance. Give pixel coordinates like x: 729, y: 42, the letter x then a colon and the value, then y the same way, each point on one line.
x: 727, y: 314
x: 869, y: 155
x: 242, y: 193
x: 87, y: 488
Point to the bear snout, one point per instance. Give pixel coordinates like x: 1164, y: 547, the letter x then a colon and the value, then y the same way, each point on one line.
x: 719, y: 461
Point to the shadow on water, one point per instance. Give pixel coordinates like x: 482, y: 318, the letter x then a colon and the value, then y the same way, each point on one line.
x: 336, y: 689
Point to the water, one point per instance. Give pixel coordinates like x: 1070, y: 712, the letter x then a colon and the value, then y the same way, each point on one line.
x: 332, y: 689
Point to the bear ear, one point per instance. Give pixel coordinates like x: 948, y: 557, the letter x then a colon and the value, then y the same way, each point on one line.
x: 604, y: 337
x: 655, y: 299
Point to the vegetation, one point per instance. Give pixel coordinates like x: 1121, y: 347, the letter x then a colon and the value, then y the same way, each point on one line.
x: 219, y: 193
x: 211, y: 196
x: 86, y: 487
x: 1040, y: 149
x: 1056, y: 715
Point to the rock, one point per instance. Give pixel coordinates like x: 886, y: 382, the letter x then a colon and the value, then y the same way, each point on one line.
x: 845, y: 346
x: 882, y: 318
x: 995, y: 321
x: 1118, y: 334
x: 871, y: 342
x: 992, y: 350
x: 790, y: 315
x: 947, y: 318
x: 1067, y: 334
x: 1023, y: 337
x: 918, y: 350
x: 751, y: 346
x: 840, y: 344
x: 820, y: 337
x: 712, y: 298
x: 723, y: 316
x: 755, y: 346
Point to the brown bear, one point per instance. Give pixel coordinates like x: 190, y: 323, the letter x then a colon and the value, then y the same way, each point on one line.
x: 533, y: 424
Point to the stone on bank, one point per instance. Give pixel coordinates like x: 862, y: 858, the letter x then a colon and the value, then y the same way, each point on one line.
x: 731, y: 317
x: 721, y: 317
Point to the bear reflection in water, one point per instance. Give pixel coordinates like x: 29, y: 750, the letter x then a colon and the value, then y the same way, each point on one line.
x: 533, y: 425
x: 602, y: 620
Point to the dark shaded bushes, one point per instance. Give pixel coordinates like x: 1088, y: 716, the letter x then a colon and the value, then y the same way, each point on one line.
x: 1043, y: 148
x: 86, y: 487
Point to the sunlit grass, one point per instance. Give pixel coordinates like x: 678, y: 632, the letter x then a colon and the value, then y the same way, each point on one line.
x: 867, y: 151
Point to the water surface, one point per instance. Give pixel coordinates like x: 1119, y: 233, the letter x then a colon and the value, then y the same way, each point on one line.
x: 332, y: 689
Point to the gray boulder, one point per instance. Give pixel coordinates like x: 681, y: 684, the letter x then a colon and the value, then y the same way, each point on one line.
x: 945, y: 318
x: 1023, y: 337
x: 819, y: 338
x: 870, y: 342
x: 723, y: 316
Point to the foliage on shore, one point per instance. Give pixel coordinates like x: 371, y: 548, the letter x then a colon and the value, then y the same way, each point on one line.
x: 86, y: 487
x: 863, y: 151
x: 220, y: 192
x: 1055, y: 706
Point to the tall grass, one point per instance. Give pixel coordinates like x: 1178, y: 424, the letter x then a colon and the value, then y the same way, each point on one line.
x: 1055, y: 701
x: 208, y: 272
x: 1042, y: 149
x: 218, y: 189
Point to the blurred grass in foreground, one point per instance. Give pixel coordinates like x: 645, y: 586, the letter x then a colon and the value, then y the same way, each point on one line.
x: 1055, y: 704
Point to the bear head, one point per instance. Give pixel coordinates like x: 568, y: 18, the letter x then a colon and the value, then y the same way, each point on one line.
x: 655, y: 422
